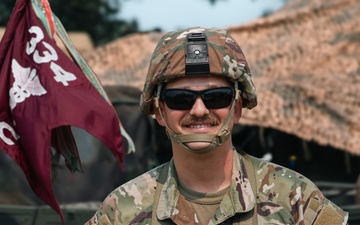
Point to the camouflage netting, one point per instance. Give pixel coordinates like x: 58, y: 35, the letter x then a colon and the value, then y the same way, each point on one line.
x: 305, y: 62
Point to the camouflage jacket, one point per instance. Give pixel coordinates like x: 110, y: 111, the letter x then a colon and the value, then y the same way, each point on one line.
x: 277, y: 195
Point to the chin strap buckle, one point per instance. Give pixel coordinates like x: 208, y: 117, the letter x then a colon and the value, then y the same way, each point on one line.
x: 222, y: 136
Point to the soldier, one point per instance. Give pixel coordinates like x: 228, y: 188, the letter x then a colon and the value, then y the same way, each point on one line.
x: 197, y: 84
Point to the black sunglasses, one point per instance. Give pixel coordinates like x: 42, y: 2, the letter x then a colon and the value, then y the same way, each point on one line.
x: 183, y: 99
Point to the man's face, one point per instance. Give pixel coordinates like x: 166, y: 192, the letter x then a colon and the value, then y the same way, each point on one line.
x: 198, y: 118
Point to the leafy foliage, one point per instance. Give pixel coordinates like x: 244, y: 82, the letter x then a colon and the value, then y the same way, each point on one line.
x: 96, y: 17
x: 6, y: 7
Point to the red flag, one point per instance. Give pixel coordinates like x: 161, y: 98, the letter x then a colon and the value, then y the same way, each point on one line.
x: 43, y: 93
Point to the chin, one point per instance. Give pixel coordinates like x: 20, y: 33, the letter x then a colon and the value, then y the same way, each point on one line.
x: 197, y: 146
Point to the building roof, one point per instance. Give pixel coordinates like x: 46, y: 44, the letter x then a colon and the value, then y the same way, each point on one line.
x: 305, y: 62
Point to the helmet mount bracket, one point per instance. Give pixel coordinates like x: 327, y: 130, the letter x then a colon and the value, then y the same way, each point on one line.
x: 197, y: 56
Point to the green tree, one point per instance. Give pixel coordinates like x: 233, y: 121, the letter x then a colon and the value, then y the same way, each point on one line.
x: 96, y: 17
x: 6, y: 7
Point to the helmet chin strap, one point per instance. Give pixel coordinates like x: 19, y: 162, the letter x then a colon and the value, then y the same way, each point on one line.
x: 214, y: 140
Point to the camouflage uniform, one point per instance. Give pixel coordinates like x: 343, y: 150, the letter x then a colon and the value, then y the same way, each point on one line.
x: 260, y: 192
x: 277, y: 195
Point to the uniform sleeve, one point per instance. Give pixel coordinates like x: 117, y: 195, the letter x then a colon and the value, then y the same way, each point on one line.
x: 324, y: 212
x: 106, y: 213
x: 128, y: 202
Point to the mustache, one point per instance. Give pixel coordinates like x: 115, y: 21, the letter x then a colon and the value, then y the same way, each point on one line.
x: 193, y: 120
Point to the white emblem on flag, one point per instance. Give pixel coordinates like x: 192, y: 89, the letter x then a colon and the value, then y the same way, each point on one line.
x: 3, y: 126
x: 26, y: 83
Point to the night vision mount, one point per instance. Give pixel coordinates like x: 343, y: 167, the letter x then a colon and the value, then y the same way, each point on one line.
x: 197, y: 56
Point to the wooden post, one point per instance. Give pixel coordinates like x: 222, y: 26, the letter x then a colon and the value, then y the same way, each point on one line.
x: 357, y: 200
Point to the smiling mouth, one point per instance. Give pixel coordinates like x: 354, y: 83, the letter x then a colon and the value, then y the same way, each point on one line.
x: 200, y: 126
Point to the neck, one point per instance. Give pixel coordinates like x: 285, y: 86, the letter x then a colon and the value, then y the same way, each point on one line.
x: 209, y: 172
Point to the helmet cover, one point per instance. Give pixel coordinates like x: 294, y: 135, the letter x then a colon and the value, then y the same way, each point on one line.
x: 224, y: 57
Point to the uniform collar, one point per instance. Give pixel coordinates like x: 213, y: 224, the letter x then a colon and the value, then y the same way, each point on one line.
x: 239, y: 199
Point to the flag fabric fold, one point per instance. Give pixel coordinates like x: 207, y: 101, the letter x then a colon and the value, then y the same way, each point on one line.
x: 43, y: 93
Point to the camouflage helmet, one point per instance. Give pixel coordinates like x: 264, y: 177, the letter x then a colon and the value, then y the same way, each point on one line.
x: 224, y: 58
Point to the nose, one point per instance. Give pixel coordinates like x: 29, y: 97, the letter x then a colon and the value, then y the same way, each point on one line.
x: 199, y: 109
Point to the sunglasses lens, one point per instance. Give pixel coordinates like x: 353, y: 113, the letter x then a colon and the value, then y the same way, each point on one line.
x: 180, y: 99
x: 218, y: 98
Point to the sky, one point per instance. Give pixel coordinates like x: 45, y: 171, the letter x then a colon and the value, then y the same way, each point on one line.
x: 175, y: 14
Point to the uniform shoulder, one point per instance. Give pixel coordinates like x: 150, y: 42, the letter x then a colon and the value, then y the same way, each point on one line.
x: 131, y: 199
x: 289, y: 191
x: 269, y: 172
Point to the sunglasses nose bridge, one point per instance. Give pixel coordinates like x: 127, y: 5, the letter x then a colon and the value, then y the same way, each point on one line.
x: 199, y: 94
x: 198, y: 107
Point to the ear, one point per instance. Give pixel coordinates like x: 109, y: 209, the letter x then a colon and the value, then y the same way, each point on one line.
x: 158, y: 116
x: 238, y: 110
